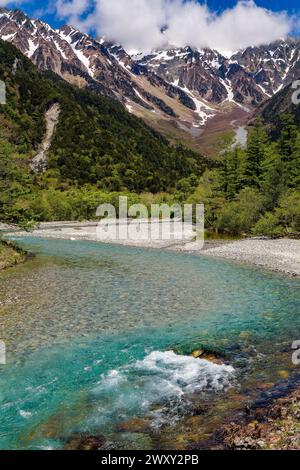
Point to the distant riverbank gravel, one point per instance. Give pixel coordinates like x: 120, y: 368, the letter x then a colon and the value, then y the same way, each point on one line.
x: 276, y: 255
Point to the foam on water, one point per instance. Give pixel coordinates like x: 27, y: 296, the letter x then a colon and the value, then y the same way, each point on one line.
x: 187, y: 374
x: 163, y: 380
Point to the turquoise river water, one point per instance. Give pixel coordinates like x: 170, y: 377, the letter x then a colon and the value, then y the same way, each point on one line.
x: 90, y: 331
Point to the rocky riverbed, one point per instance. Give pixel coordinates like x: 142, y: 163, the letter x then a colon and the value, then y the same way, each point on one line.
x: 274, y: 428
x: 276, y: 255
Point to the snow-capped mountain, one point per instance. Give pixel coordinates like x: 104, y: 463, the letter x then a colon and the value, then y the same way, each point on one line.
x: 273, y: 66
x: 178, y: 90
x: 86, y: 62
x: 246, y: 77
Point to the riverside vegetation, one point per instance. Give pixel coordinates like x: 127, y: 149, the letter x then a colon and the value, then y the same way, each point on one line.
x: 10, y: 254
x: 99, y: 152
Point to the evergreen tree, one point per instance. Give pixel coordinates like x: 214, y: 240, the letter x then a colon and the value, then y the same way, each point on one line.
x: 288, y: 136
x: 232, y: 171
x: 294, y: 164
x: 287, y: 145
x: 257, y: 140
x: 271, y: 181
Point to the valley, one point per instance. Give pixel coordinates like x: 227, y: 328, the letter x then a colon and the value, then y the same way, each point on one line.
x: 148, y: 344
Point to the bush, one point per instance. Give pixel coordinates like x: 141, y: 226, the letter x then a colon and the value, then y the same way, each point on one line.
x: 289, y: 210
x: 269, y: 226
x: 239, y: 216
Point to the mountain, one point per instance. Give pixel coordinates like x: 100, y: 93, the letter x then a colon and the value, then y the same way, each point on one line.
x: 81, y: 138
x: 273, y: 66
x: 279, y: 104
x: 94, y: 65
x: 234, y: 86
x: 206, y: 72
x: 182, y: 92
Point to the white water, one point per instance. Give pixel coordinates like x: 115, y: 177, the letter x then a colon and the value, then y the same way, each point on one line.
x: 163, y: 380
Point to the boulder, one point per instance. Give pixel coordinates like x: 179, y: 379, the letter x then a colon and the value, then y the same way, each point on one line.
x: 82, y: 442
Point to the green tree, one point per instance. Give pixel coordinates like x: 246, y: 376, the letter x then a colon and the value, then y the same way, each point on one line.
x: 14, y: 183
x: 294, y: 164
x: 271, y: 180
x: 232, y: 171
x: 255, y: 154
x: 269, y: 226
x: 288, y: 211
x: 239, y: 215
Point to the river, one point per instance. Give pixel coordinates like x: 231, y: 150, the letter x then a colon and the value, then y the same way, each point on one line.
x: 91, y: 330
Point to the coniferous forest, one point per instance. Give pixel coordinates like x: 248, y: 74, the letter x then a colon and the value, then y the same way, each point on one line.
x: 256, y: 190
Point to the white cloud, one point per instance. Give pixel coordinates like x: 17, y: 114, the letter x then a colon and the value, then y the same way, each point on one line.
x: 4, y: 3
x: 137, y: 24
x: 71, y: 9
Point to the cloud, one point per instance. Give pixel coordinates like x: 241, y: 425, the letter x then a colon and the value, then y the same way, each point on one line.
x: 138, y: 24
x: 71, y: 10
x: 5, y: 3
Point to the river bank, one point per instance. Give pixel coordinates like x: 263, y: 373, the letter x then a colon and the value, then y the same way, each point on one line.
x: 281, y: 255
x: 276, y: 427
x: 11, y: 255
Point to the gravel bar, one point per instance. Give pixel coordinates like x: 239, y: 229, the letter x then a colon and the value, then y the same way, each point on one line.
x: 276, y: 255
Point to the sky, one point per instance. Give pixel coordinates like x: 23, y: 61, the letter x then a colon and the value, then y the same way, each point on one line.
x: 226, y: 25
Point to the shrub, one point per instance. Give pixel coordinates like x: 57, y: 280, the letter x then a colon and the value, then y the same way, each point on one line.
x: 269, y: 226
x: 239, y: 216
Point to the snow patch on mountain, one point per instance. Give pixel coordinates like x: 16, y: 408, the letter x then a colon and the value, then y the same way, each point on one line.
x: 32, y: 48
x: 230, y: 95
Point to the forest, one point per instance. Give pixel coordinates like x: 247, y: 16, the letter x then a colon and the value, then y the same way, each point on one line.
x: 256, y: 190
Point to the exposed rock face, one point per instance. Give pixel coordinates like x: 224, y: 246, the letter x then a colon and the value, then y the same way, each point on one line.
x: 39, y: 162
x: 189, y: 69
x: 281, y: 103
x: 184, y: 86
x: 102, y: 67
x: 256, y: 72
x: 273, y: 66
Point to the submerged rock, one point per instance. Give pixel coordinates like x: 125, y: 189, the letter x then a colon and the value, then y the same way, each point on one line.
x: 198, y: 353
x: 88, y: 443
x: 273, y: 428
x: 208, y: 356
x: 138, y: 425
x: 283, y: 374
x: 132, y: 441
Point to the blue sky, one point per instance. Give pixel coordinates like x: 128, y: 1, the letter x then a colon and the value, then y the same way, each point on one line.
x: 275, y: 5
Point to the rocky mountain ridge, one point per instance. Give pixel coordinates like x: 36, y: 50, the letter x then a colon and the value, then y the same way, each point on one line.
x: 178, y: 91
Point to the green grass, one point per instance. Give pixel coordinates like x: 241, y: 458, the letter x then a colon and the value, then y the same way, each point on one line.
x: 221, y: 236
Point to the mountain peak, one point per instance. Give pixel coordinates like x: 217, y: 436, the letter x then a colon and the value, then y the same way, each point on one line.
x: 19, y: 16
